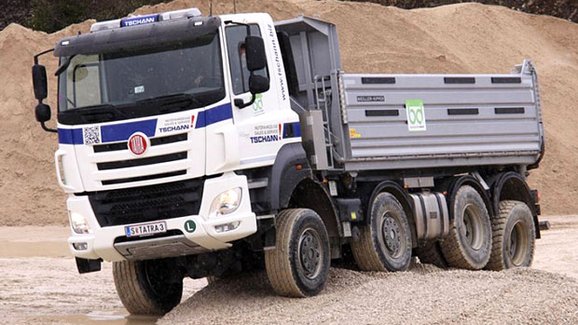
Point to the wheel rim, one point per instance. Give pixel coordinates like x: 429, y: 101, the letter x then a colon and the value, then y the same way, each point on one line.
x: 310, y: 253
x: 472, y: 230
x: 518, y: 244
x: 391, y: 234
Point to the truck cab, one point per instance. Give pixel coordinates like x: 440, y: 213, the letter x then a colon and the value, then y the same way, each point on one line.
x: 155, y: 113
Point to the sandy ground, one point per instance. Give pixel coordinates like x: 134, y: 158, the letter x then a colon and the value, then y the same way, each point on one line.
x: 40, y: 285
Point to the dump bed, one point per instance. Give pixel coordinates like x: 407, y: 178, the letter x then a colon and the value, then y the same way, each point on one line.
x: 403, y: 121
x: 417, y: 121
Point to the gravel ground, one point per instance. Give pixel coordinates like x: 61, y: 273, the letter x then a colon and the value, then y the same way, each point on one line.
x: 40, y: 285
x: 425, y: 295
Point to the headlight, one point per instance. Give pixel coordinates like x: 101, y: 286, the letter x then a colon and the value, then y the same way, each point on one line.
x: 78, y: 223
x: 226, y: 202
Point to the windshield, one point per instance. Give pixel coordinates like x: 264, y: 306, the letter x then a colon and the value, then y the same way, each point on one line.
x: 129, y: 80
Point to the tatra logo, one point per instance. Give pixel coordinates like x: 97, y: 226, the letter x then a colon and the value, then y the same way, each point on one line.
x: 138, y: 144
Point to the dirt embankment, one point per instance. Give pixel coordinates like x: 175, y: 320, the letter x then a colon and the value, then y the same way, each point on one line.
x: 466, y: 38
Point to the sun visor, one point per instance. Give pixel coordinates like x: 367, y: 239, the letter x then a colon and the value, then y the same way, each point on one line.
x: 151, y: 35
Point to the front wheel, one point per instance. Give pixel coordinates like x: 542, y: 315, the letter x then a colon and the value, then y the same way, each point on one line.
x: 299, y: 264
x: 513, y: 237
x: 385, y: 243
x: 151, y: 287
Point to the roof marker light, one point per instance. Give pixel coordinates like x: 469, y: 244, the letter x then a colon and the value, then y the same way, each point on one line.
x: 145, y: 19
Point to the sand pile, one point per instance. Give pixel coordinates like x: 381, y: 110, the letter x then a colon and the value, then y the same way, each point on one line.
x: 463, y: 38
x: 29, y: 194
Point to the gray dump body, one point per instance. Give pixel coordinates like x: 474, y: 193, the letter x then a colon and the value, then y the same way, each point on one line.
x: 469, y: 120
x: 360, y: 121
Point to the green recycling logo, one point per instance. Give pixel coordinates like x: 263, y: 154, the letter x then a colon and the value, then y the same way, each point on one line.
x: 258, y: 104
x: 415, y: 115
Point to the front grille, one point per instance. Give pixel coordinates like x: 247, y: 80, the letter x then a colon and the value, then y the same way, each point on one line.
x: 147, y: 203
x: 154, y: 142
x: 142, y: 161
x: 144, y: 178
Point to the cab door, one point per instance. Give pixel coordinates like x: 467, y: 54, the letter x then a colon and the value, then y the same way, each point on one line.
x: 259, y: 125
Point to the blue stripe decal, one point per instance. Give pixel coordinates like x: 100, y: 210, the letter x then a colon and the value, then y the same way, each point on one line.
x: 214, y: 115
x: 123, y: 131
x: 291, y: 130
x: 70, y: 136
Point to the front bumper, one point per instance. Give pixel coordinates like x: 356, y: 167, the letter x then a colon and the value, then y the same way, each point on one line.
x: 111, y: 244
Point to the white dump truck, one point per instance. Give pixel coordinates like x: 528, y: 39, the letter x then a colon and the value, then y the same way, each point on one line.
x: 201, y: 146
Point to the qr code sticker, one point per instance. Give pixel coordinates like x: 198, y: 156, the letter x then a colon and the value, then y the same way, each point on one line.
x: 91, y: 135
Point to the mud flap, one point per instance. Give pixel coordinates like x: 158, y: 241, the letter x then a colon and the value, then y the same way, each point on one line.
x: 86, y: 266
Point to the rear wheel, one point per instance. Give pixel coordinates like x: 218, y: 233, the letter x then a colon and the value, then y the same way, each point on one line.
x: 299, y: 264
x: 384, y: 244
x: 469, y: 243
x: 151, y: 287
x: 513, y: 237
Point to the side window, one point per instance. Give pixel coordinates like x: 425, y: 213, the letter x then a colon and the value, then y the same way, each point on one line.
x: 236, y: 47
x: 85, y: 75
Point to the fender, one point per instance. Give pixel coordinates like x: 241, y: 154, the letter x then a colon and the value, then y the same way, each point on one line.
x: 290, y: 168
x: 313, y: 195
x: 455, y: 185
x: 512, y: 186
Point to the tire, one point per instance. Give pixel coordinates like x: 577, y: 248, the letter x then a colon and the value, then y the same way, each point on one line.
x: 431, y: 253
x: 385, y: 243
x: 151, y: 287
x: 299, y: 264
x: 514, y: 237
x: 469, y: 243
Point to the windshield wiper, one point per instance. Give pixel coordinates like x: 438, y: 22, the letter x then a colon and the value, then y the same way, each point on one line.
x: 64, y: 64
x: 169, y: 102
x: 94, y: 113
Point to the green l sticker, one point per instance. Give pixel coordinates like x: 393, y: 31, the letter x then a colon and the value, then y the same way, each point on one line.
x: 190, y: 226
x: 415, y: 115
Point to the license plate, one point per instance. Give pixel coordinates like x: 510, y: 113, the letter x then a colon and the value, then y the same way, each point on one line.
x: 146, y: 229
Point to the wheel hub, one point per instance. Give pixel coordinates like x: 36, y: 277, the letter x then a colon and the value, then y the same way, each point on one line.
x: 472, y: 231
x: 309, y: 253
x: 391, y: 233
x: 468, y: 231
x: 513, y: 244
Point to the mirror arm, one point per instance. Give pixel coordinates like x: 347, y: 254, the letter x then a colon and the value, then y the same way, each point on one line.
x: 47, y: 129
x: 239, y: 102
x: 41, y: 54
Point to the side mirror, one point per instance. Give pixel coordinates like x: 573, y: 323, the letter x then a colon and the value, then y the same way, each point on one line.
x: 42, y: 113
x: 39, y: 81
x: 255, y: 52
x: 258, y: 84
